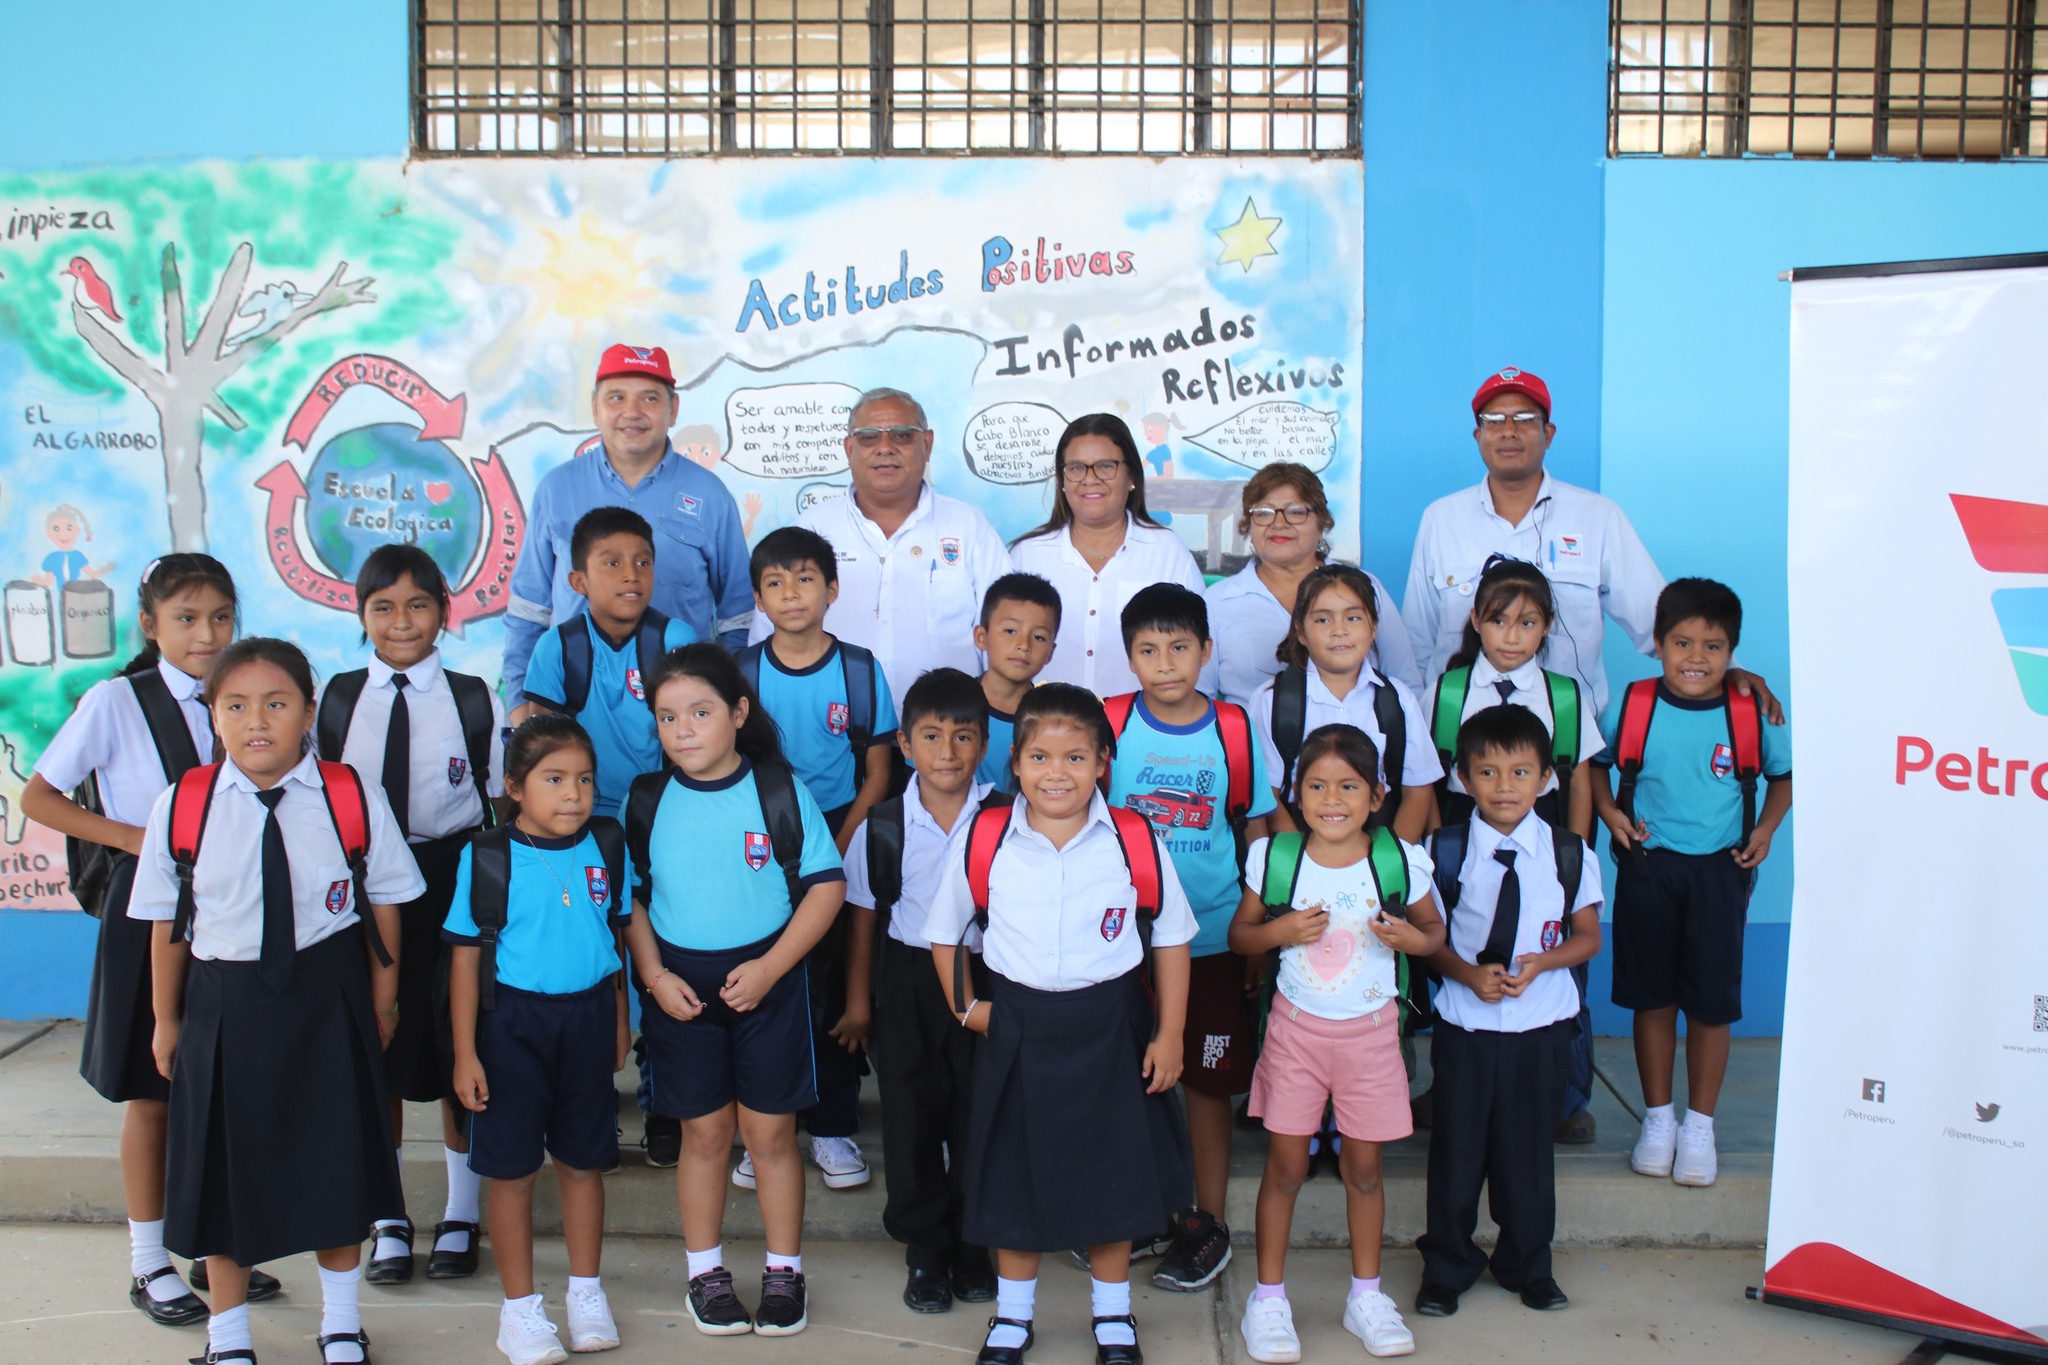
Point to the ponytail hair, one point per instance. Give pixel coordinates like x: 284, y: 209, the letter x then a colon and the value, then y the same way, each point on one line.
x: 758, y: 741
x: 164, y: 579
x: 1057, y: 702
x: 1291, y: 649
x: 1503, y: 581
x: 540, y: 735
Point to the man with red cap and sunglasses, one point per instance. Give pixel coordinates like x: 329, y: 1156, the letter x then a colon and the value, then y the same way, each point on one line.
x: 700, y: 551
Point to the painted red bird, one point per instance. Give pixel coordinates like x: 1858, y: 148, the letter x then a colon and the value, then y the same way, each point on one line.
x: 88, y: 290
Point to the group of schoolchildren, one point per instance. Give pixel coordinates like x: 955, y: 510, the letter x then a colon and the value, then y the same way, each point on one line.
x: 1072, y: 907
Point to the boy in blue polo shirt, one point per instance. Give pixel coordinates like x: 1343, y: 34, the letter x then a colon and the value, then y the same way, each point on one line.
x: 1174, y: 755
x: 1020, y: 619
x: 831, y: 704
x: 1687, y: 842
x: 592, y: 665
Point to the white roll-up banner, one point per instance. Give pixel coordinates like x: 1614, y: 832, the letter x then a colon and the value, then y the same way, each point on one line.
x: 1911, y: 1178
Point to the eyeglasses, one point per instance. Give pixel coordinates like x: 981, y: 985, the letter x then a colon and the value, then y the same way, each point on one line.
x: 867, y: 438
x: 1104, y: 470
x: 1295, y: 512
x: 1497, y: 422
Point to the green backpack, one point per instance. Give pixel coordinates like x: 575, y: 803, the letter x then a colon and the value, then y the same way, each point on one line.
x: 1285, y: 854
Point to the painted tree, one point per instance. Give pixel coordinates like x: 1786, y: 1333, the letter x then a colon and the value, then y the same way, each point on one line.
x: 188, y: 385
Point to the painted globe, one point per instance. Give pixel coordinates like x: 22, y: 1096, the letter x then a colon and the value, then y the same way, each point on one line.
x: 379, y: 484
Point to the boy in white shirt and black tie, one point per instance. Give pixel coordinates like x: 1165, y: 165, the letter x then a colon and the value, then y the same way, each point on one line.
x: 1523, y: 904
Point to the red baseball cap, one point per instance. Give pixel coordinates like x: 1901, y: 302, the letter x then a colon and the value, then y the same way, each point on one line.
x: 644, y: 362
x: 1512, y: 380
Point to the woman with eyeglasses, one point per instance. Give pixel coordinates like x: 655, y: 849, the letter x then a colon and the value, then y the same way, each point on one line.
x: 1098, y: 548
x: 1286, y: 518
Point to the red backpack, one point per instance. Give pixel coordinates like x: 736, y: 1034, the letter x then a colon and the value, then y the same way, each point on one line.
x: 347, y: 807
x: 1745, y: 737
x: 1234, y: 729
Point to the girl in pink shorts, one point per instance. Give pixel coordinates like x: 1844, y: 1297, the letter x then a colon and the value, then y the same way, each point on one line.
x: 1341, y: 904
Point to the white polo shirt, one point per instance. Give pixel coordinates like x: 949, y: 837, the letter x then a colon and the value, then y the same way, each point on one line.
x: 925, y: 843
x: 1552, y: 995
x: 108, y: 735
x: 1248, y: 623
x: 227, y: 880
x: 1419, y: 765
x: 1583, y: 543
x: 1089, y: 649
x: 913, y: 598
x: 443, y: 798
x: 1059, y: 919
x: 1532, y: 692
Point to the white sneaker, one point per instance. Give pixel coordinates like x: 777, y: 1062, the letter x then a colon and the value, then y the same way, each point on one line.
x: 1268, y: 1330
x: 1374, y: 1320
x: 590, y: 1321
x: 743, y: 1174
x: 1654, y: 1149
x: 526, y: 1336
x: 841, y: 1161
x: 1696, y: 1162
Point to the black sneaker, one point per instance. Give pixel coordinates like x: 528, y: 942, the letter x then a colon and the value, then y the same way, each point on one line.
x: 1198, y: 1254
x: 663, y: 1139
x: 715, y: 1308
x: 782, y: 1312
x: 1156, y: 1245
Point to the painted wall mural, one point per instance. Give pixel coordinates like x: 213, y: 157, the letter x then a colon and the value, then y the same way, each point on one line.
x: 288, y: 364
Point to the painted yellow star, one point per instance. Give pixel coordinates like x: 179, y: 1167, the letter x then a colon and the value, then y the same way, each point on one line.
x: 1249, y: 238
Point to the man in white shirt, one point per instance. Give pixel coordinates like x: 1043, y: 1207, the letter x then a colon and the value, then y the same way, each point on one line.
x: 913, y: 563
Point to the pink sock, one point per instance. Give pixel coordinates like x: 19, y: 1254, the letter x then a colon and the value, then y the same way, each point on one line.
x: 1358, y: 1286
x: 1269, y: 1291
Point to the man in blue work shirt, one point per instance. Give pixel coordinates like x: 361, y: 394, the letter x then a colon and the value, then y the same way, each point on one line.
x: 700, y: 552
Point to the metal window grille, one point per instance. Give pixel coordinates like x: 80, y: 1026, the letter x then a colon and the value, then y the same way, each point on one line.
x: 694, y: 77
x: 1919, y: 79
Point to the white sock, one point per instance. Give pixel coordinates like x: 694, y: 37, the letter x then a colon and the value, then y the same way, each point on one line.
x: 1112, y: 1301
x: 1660, y: 1111
x: 1698, y: 1122
x: 776, y: 1261
x: 533, y: 1299
x: 340, y: 1311
x: 146, y: 1247
x: 464, y: 1186
x: 580, y: 1285
x: 228, y: 1330
x: 1017, y: 1300
x: 704, y: 1262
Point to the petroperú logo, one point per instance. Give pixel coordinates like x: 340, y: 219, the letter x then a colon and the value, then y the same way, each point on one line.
x: 2012, y: 538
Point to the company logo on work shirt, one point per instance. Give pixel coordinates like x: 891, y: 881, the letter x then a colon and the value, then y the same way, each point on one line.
x: 2012, y: 538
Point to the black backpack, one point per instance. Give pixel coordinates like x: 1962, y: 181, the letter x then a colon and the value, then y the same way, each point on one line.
x: 857, y: 667
x: 579, y: 654
x: 885, y: 864
x: 1290, y: 725
x: 490, y: 888
x: 776, y: 786
x: 1447, y: 848
x: 472, y: 705
x: 90, y: 865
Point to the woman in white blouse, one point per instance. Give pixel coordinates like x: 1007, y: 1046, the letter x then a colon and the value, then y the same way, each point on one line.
x: 1098, y: 549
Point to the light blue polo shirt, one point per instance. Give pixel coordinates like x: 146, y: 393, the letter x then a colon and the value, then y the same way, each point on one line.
x: 994, y: 767
x: 546, y: 946
x: 809, y: 708
x: 1687, y: 793
x: 1177, y: 777
x: 617, y: 716
x: 715, y: 881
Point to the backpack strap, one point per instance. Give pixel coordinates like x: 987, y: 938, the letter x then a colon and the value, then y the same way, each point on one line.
x: 1638, y: 707
x: 1282, y: 872
x: 1745, y: 737
x: 348, y: 806
x: 1141, y: 856
x: 984, y: 837
x: 1389, y: 866
x: 611, y: 847
x: 1234, y: 728
x: 1447, y: 851
x: 1393, y: 723
x: 167, y: 727
x: 473, y: 708
x: 1290, y: 726
x: 490, y: 894
x: 749, y: 660
x: 578, y: 656
x: 1568, y: 851
x: 885, y: 858
x: 191, y: 801
x: 1566, y: 718
x: 857, y: 668
x: 338, y: 712
x: 1447, y: 712
x: 650, y: 639
x: 775, y: 784
x: 1118, y: 709
x: 643, y: 799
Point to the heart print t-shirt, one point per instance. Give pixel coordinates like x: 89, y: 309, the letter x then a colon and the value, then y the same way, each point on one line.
x: 1347, y: 972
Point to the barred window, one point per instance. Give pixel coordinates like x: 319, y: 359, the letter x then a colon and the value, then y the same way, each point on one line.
x: 693, y: 77
x: 1920, y: 79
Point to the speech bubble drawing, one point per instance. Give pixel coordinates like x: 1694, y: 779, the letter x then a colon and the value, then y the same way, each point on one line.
x: 790, y: 431
x: 1266, y: 433
x: 1012, y: 442
x: 811, y: 494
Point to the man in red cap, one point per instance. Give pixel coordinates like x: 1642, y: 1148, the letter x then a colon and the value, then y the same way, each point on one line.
x: 700, y: 559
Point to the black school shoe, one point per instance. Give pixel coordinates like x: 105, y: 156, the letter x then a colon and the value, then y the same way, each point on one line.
x: 1543, y: 1295
x: 1118, y: 1355
x: 927, y: 1291
x: 182, y: 1311
x: 1436, y: 1300
x: 391, y: 1269
x: 783, y: 1311
x: 1200, y: 1250
x: 261, y: 1286
x: 1578, y: 1129
x: 216, y: 1357
x: 1005, y: 1355
x: 715, y: 1308
x: 453, y: 1265
x: 663, y: 1140
x: 974, y: 1283
x: 361, y: 1339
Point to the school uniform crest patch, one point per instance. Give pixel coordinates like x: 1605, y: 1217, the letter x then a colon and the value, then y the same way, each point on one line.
x: 949, y: 549
x: 838, y: 717
x: 757, y: 850
x: 458, y: 768
x: 600, y: 883
x: 633, y: 685
x: 1723, y: 761
x: 1553, y: 934
x: 1112, y: 923
x: 337, y: 897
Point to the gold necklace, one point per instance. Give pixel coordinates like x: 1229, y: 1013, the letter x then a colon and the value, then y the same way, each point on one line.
x: 528, y: 839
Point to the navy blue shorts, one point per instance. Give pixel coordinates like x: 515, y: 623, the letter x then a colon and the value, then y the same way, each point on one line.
x: 761, y: 1058
x: 547, y: 1060
x: 1678, y: 927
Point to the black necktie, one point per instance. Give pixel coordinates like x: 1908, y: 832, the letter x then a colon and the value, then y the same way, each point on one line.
x: 398, y: 756
x: 1506, y: 690
x: 279, y: 932
x: 1507, y: 912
